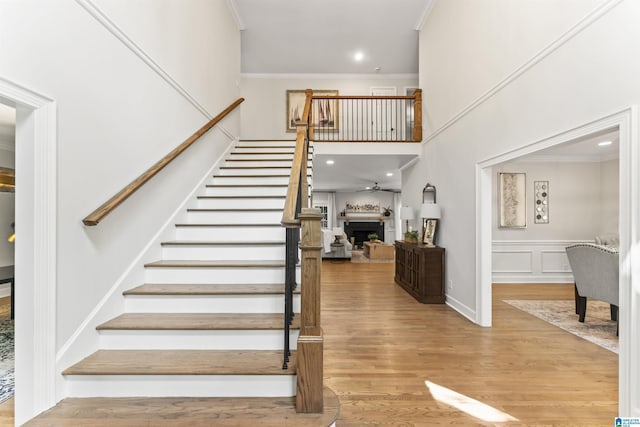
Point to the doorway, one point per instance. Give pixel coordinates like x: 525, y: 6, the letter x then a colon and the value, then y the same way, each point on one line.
x: 629, y: 221
x: 35, y: 250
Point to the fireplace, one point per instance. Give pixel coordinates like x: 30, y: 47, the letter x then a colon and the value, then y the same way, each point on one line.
x: 360, y: 230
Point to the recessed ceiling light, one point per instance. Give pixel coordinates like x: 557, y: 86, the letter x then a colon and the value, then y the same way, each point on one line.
x: 604, y: 143
x: 359, y: 56
x: 367, y: 188
x: 389, y: 174
x: 330, y: 162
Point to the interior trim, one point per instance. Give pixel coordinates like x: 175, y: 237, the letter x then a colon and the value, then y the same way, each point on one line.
x: 585, y: 22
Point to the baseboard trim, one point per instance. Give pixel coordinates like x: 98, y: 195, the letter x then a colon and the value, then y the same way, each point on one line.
x: 461, y: 308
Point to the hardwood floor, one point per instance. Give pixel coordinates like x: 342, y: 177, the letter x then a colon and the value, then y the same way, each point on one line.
x: 381, y: 346
x: 6, y: 407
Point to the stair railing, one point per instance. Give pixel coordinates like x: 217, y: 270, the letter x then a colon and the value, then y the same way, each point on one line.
x: 109, y: 206
x: 300, y: 220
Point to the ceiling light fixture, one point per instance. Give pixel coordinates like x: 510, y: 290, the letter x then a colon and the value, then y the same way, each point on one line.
x: 389, y: 174
x: 367, y: 188
x: 604, y: 143
x: 359, y: 56
x: 330, y: 162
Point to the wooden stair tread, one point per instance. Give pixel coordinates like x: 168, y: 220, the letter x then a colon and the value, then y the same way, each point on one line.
x: 185, y: 412
x: 197, y: 321
x: 234, y: 210
x: 255, y: 153
x: 247, y: 185
x: 228, y: 225
x: 258, y: 167
x: 183, y: 362
x: 242, y: 197
x: 268, y: 140
x: 201, y: 243
x: 254, y: 176
x: 215, y: 263
x: 208, y: 289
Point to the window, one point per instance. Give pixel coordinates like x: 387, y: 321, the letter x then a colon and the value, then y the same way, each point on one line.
x: 324, y: 222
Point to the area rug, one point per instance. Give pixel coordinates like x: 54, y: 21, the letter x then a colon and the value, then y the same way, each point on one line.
x: 358, y: 257
x: 597, y: 327
x: 6, y: 360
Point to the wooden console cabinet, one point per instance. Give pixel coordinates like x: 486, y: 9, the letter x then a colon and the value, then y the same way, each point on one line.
x: 420, y: 271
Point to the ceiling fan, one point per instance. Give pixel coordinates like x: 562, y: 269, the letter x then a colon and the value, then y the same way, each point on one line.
x: 375, y: 188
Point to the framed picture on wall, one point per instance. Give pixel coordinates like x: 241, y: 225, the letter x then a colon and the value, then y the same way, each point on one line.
x: 512, y: 200
x: 324, y: 113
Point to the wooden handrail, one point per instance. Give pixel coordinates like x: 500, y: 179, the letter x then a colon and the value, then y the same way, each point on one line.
x: 300, y: 157
x: 107, y: 207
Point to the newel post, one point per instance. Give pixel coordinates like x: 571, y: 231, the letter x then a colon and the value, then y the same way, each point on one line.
x: 417, y: 116
x: 310, y: 343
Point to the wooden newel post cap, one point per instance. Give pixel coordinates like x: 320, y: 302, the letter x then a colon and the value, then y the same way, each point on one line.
x: 310, y: 213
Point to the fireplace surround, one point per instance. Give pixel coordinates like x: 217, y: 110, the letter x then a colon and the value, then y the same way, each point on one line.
x: 360, y: 230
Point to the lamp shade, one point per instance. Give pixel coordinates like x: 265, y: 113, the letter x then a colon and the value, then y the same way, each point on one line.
x: 337, y: 231
x: 406, y: 213
x: 430, y: 211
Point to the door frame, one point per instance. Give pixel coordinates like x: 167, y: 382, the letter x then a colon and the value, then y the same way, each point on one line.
x: 626, y: 121
x: 35, y: 249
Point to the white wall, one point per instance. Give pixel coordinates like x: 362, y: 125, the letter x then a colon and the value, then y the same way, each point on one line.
x: 610, y: 195
x: 264, y: 111
x: 496, y: 80
x: 575, y: 202
x: 575, y: 83
x: 117, y: 116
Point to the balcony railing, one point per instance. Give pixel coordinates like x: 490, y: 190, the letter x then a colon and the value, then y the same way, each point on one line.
x: 366, y: 118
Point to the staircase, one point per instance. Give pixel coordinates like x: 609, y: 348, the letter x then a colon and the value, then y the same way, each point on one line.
x: 208, y: 321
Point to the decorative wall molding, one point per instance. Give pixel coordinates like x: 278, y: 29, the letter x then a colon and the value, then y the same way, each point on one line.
x: 330, y: 76
x: 584, y: 23
x: 114, y: 29
x: 233, y: 8
x: 531, y: 261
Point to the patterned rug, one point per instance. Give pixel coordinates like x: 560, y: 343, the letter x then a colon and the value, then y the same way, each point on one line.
x: 6, y: 360
x: 358, y: 257
x: 597, y: 327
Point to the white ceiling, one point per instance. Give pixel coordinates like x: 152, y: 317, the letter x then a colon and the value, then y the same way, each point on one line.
x: 581, y: 150
x: 322, y: 36
x: 356, y: 172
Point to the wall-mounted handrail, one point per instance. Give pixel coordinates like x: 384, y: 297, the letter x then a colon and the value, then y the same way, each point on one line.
x: 107, y: 207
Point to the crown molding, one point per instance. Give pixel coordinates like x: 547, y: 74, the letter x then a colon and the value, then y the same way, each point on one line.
x: 330, y: 76
x: 424, y: 16
x: 578, y: 158
x: 591, y: 17
x: 233, y: 8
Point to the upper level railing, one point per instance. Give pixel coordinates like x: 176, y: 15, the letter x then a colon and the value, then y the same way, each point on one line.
x: 107, y: 207
x: 366, y: 118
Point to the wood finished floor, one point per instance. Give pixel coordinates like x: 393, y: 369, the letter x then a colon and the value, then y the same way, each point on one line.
x: 381, y: 346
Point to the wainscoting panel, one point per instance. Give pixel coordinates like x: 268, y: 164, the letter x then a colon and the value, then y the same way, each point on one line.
x: 531, y: 261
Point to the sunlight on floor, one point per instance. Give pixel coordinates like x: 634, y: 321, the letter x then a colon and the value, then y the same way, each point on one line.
x: 468, y: 405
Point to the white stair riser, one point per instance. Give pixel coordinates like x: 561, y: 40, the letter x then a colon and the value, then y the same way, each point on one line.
x: 286, y: 163
x: 270, y: 149
x: 217, y: 275
x: 259, y: 171
x: 254, y: 253
x: 234, y: 217
x: 246, y: 203
x: 181, y: 385
x: 230, y: 234
x: 246, y: 156
x: 271, y: 303
x: 244, y: 191
x: 248, y: 180
x: 197, y: 340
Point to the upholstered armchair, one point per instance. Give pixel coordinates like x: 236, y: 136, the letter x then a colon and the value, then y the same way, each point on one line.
x: 595, y: 272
